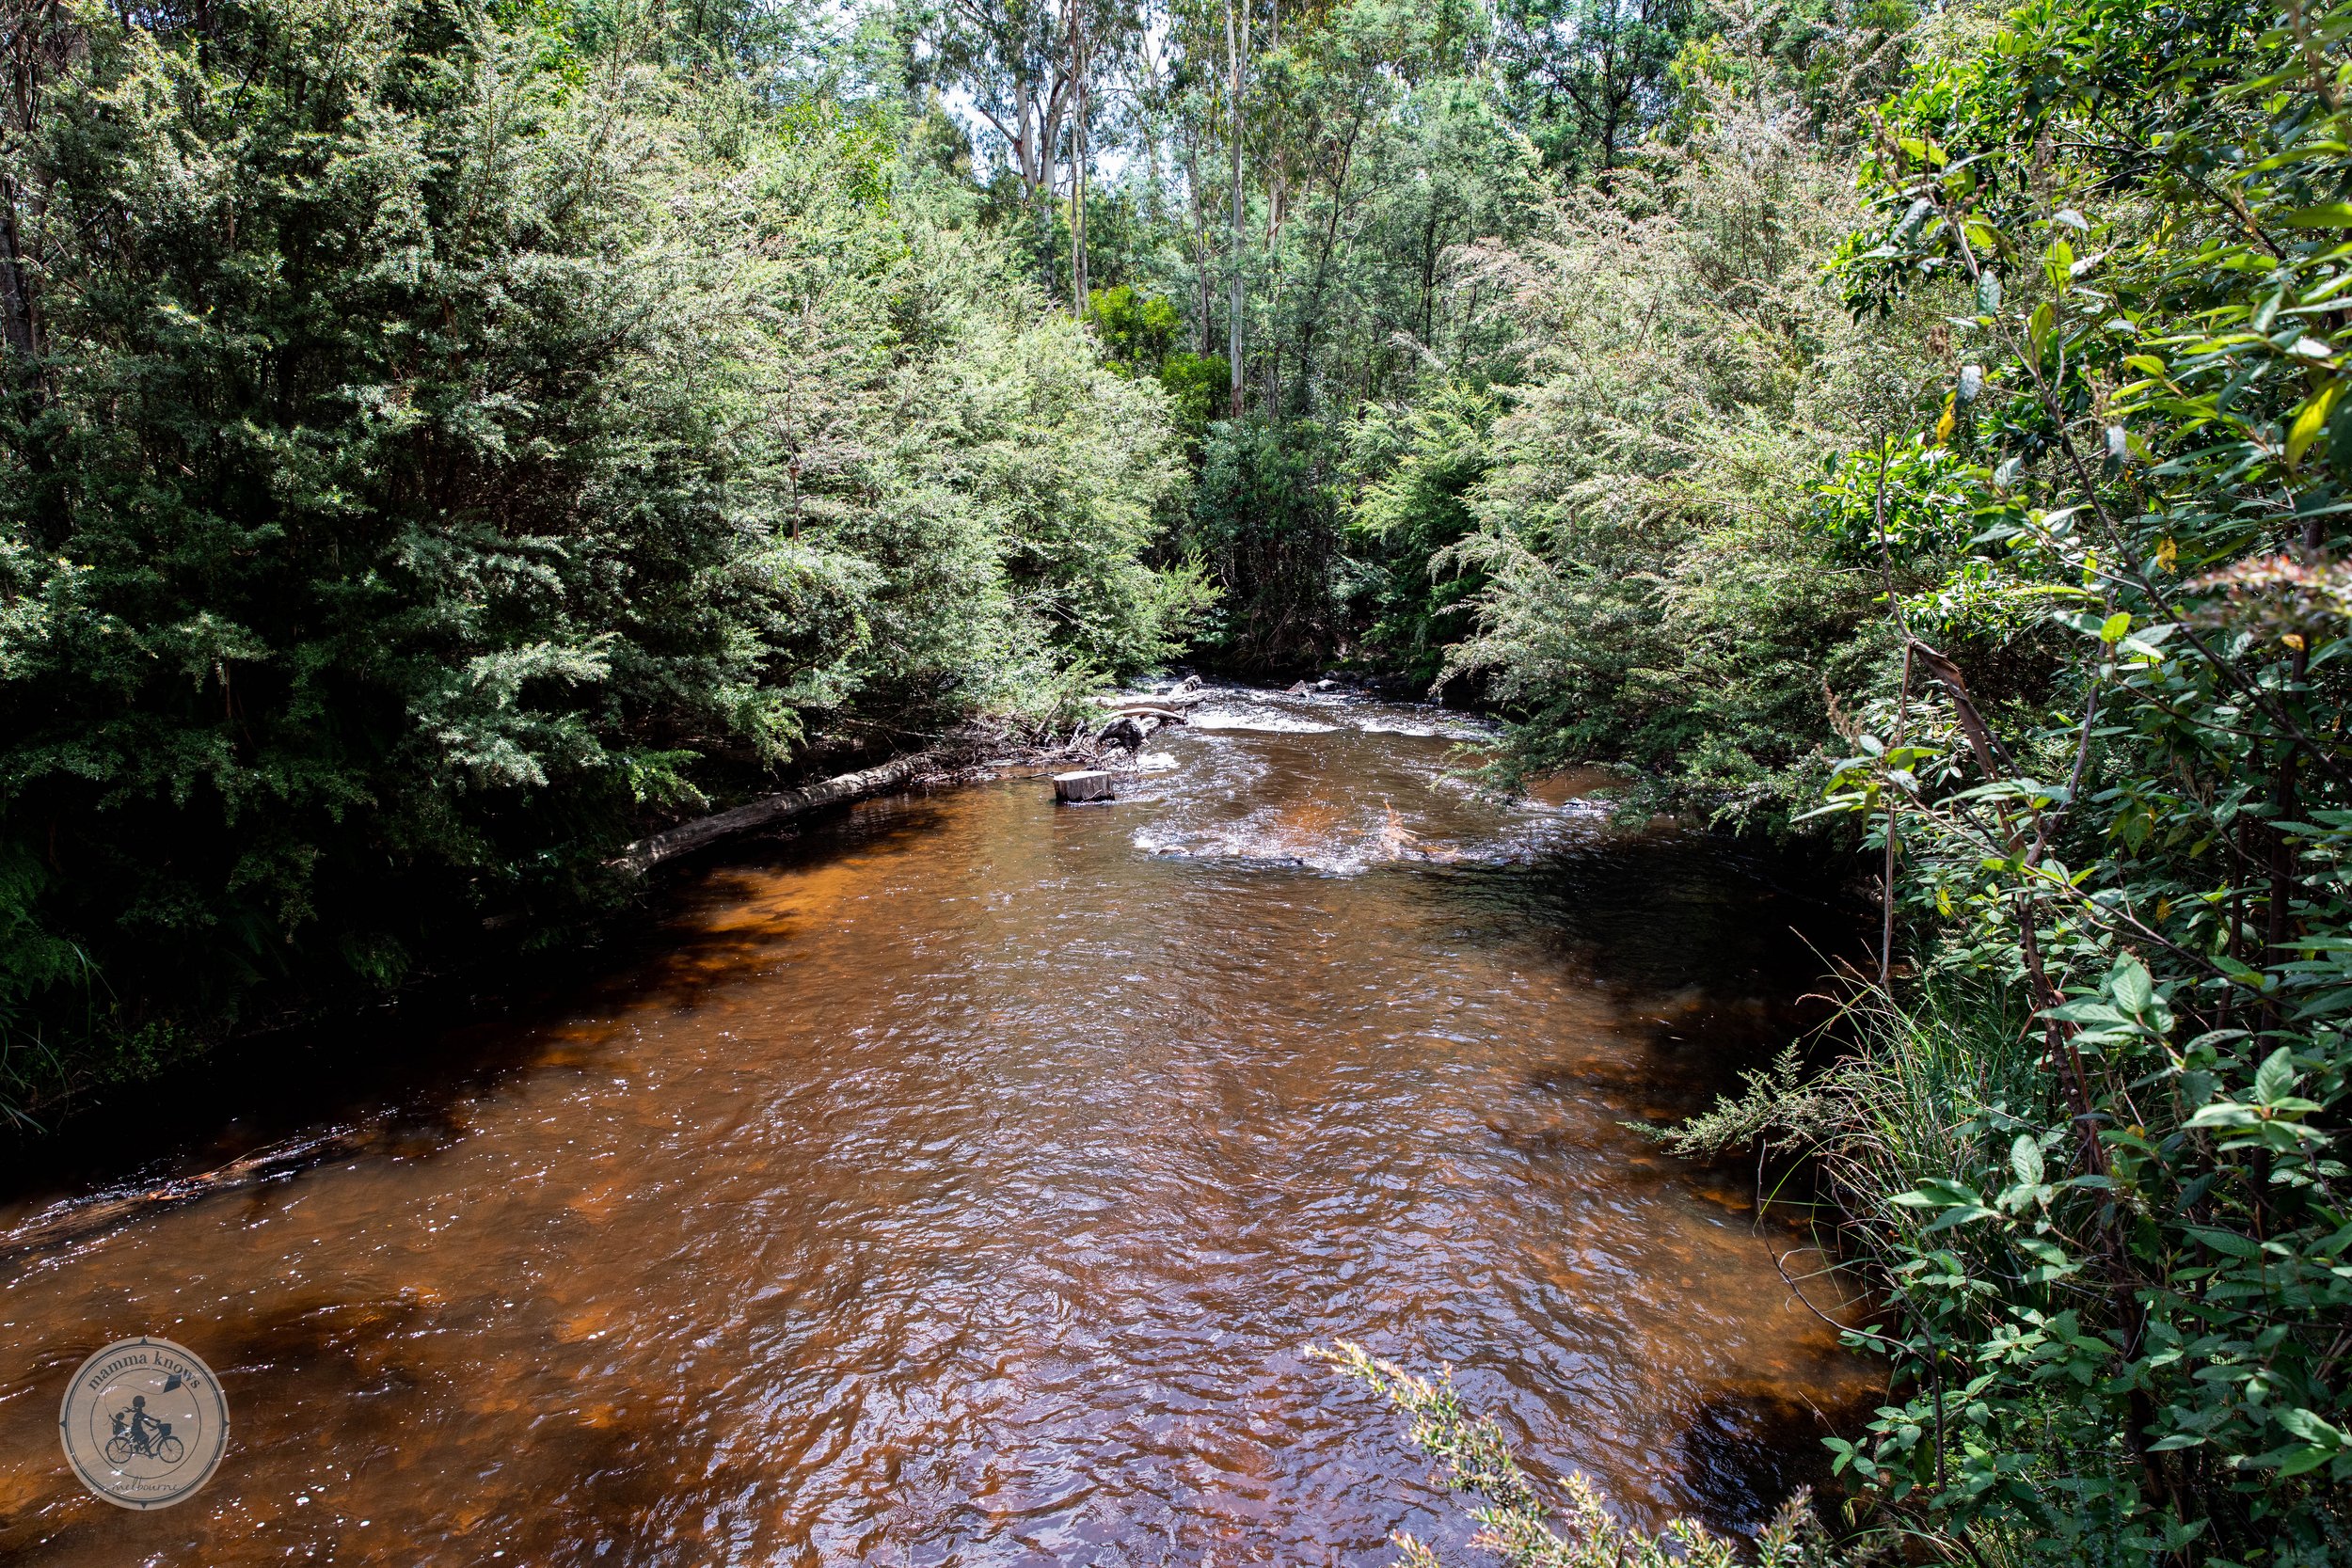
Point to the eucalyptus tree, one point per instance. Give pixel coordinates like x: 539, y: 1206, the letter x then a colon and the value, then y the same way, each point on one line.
x: 1591, y: 77
x: 1033, y: 70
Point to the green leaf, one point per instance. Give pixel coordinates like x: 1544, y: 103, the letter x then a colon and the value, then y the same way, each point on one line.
x: 2311, y: 421
x: 2085, y: 1011
x: 2131, y: 986
x: 2275, y: 1080
x: 2306, y: 1459
x: 2058, y: 264
x: 2225, y: 1241
x: 2024, y: 1158
x: 2310, y: 1428
x: 2333, y: 214
x: 2043, y: 1251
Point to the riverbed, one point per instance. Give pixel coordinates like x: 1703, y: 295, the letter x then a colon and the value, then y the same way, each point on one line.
x: 959, y: 1181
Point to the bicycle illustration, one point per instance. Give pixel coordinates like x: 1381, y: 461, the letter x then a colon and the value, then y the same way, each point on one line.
x: 137, y: 1435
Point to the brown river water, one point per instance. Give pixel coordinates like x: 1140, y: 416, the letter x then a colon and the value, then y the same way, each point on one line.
x: 959, y: 1181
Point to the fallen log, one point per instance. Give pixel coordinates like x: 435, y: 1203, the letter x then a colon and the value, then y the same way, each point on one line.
x: 1162, y: 715
x: 72, y: 1221
x: 686, y: 837
x: 1163, y: 702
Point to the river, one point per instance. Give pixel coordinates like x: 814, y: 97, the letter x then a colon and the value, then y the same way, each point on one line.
x: 960, y: 1179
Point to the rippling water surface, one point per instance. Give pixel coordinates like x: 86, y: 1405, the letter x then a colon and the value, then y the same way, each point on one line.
x: 961, y: 1178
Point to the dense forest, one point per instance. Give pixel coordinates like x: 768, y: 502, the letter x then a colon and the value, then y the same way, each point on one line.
x: 439, y: 440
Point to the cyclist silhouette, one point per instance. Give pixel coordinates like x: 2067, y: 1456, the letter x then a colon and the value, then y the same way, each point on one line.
x: 135, y: 1423
x: 137, y: 1433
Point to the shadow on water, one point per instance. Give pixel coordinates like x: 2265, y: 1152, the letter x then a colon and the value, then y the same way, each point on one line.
x: 394, y: 1076
x: 1746, y: 1451
x: 1713, y: 962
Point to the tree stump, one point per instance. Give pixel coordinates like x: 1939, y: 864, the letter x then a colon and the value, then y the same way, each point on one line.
x: 1091, y: 783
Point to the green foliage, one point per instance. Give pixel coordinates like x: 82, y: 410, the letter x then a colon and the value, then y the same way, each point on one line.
x: 1418, y: 466
x: 1196, y: 384
x: 1264, y: 524
x: 1137, y: 332
x: 1591, y: 77
x: 1514, y: 1522
x: 1833, y: 59
x: 430, y: 440
x: 1658, y: 592
x: 2118, y: 1265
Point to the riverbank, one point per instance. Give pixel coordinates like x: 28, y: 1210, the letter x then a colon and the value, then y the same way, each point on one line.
x: 51, y: 1080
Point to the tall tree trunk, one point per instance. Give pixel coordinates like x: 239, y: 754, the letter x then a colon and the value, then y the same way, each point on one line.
x: 1233, y: 53
x: 1023, y: 142
x: 22, y: 334
x: 1078, y: 168
x: 36, y: 47
x: 1200, y: 245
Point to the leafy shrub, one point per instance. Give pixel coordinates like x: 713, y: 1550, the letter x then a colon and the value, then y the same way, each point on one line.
x: 2108, y: 1202
x: 1657, y: 590
x: 1514, y: 1522
x: 1264, y: 525
x: 1415, y: 469
x: 430, y: 444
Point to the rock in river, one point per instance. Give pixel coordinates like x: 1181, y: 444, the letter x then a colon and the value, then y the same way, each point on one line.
x: 1127, y: 730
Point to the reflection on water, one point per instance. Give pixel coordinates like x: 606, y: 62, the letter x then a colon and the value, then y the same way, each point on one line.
x: 962, y: 1182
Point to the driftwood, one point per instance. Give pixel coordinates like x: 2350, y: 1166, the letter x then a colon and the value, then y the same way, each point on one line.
x: 1162, y: 715
x: 703, y: 832
x: 1158, y: 705
x: 80, y: 1220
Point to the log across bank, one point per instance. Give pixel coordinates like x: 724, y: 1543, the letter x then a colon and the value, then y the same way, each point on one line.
x: 704, y: 831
